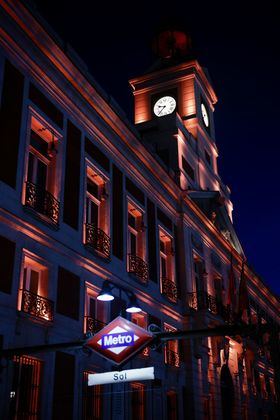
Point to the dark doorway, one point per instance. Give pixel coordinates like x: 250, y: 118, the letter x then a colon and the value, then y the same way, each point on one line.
x: 227, y: 393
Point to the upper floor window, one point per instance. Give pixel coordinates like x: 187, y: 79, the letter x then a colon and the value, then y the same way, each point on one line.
x: 96, y: 216
x: 33, y: 292
x: 171, y: 350
x: 208, y: 157
x: 41, y: 173
x: 141, y: 319
x: 166, y: 255
x: 188, y: 169
x: 136, y: 246
x: 95, y: 312
x: 199, y: 274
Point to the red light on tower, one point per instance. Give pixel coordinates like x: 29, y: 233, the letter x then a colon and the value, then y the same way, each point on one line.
x: 172, y: 43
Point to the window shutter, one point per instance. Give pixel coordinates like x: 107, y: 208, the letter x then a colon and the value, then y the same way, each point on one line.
x: 118, y: 213
x: 72, y: 176
x: 177, y: 261
x: 10, y: 123
x: 6, y: 264
x: 63, y: 391
x: 68, y: 294
x: 152, y: 241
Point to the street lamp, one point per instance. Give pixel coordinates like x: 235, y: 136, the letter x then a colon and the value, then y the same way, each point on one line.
x: 106, y: 295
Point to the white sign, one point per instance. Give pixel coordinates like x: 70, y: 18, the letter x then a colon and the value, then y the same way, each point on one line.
x: 142, y: 374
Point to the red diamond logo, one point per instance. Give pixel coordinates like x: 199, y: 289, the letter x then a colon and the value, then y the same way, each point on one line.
x: 119, y: 340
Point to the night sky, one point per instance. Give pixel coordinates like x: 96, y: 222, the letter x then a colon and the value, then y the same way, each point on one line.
x: 240, y: 47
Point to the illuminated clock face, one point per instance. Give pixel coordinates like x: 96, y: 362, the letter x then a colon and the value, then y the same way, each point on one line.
x: 164, y: 106
x: 205, y: 115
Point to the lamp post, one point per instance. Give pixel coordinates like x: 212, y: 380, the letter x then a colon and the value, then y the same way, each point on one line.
x: 106, y: 295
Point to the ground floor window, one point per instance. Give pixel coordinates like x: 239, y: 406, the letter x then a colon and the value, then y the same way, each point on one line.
x: 26, y: 389
x: 92, y: 400
x: 172, y: 405
x: 138, y: 401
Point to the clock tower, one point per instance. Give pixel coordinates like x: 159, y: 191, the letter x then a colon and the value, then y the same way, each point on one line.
x: 173, y: 110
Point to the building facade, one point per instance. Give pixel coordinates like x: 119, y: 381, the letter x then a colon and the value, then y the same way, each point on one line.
x: 87, y: 196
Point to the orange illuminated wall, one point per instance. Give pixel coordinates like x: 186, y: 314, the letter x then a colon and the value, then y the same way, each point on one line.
x: 142, y: 108
x: 187, y: 105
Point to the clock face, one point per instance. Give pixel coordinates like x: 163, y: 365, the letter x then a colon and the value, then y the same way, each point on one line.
x: 205, y: 115
x: 164, y: 106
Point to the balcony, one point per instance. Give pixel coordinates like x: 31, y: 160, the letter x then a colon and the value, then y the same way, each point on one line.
x: 203, y: 301
x: 138, y: 267
x: 169, y: 289
x: 42, y: 202
x: 36, y: 305
x: 97, y: 240
x: 172, y: 358
x: 93, y: 325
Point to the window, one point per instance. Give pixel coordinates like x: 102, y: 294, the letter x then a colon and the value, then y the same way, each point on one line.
x: 136, y: 242
x: 199, y: 273
x: 263, y: 390
x: 41, y: 185
x: 94, y: 312
x: 68, y: 294
x: 172, y: 405
x: 197, y: 299
x: 207, y: 157
x: 25, y: 393
x: 92, y: 400
x: 272, y: 389
x: 33, y: 293
x: 141, y: 319
x: 254, y: 316
x: 171, y: 350
x: 166, y: 256
x: 138, y: 401
x: 97, y: 212
x: 188, y: 169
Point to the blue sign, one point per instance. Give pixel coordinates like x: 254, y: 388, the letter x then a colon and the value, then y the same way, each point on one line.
x: 123, y: 339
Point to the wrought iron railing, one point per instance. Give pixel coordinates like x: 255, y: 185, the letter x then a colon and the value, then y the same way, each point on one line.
x: 172, y: 358
x: 41, y: 201
x: 36, y: 305
x: 138, y: 267
x: 202, y: 300
x: 93, y: 325
x: 169, y: 289
x: 97, y: 239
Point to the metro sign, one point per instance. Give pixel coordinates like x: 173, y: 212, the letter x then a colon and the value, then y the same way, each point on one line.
x: 119, y: 340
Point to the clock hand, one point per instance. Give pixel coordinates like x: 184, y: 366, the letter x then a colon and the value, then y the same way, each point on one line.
x: 162, y: 106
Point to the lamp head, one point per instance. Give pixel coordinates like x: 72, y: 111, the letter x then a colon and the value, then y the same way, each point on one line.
x: 133, y: 305
x: 105, y: 294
